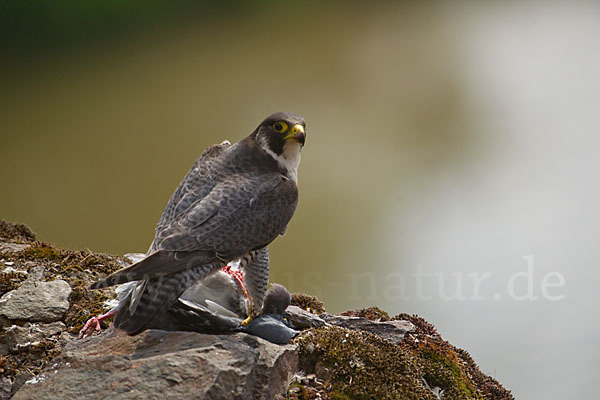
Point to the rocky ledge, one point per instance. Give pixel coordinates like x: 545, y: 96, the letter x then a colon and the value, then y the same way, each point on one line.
x: 361, y: 354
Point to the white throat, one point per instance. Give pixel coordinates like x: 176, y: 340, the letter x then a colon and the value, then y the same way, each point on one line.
x: 289, y: 159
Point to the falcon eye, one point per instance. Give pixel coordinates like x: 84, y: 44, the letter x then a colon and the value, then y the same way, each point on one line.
x: 280, y: 127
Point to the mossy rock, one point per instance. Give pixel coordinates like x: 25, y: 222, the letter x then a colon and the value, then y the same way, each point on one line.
x: 15, y: 232
x: 360, y: 365
x: 308, y: 303
x: 353, y: 364
x: 370, y: 313
x: 78, y: 268
x: 443, y: 368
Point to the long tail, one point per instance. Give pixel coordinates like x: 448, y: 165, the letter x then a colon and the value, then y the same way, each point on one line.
x: 161, y: 263
x: 150, y: 300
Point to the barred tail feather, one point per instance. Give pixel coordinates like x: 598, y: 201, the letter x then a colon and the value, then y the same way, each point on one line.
x: 155, y: 299
x: 158, y: 264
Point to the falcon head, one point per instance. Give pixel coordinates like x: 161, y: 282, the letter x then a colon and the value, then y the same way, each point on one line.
x: 282, y: 136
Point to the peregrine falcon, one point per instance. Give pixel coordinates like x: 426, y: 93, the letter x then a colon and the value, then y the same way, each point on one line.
x: 234, y: 201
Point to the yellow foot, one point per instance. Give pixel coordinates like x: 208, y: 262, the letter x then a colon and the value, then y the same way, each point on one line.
x: 251, y: 315
x: 248, y: 320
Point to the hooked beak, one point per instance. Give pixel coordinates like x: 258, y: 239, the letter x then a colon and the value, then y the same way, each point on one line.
x: 297, y: 133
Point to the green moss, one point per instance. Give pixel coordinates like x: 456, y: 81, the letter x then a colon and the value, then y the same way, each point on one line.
x: 360, y: 365
x: 486, y: 385
x: 296, y: 391
x: 442, y: 368
x: 308, y: 303
x: 372, y: 313
x: 335, y: 395
x: 41, y: 250
x: 67, y: 263
x: 422, y: 327
x: 85, y: 304
x: 78, y: 268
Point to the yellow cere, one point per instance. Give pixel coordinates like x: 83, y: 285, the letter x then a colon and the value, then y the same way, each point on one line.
x: 280, y: 127
x: 296, y: 129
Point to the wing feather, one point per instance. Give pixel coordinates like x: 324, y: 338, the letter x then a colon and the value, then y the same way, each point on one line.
x: 242, y: 213
x: 197, y: 183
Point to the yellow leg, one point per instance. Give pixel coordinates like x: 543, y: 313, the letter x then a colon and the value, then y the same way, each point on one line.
x: 251, y: 315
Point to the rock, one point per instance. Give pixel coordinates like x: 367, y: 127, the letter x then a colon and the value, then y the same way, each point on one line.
x: 5, y: 388
x: 19, y: 338
x: 20, y: 379
x: 303, y: 319
x: 51, y: 329
x: 36, y: 300
x: 393, y: 331
x: 182, y: 364
x: 9, y: 247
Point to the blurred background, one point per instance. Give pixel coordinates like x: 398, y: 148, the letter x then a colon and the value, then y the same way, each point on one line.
x: 451, y: 166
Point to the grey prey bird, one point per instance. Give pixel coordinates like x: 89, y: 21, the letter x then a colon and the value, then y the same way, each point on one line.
x: 234, y: 201
x: 197, y: 312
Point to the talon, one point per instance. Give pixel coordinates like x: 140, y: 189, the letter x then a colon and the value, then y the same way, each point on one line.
x: 251, y: 315
x: 90, y: 326
x: 93, y: 324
